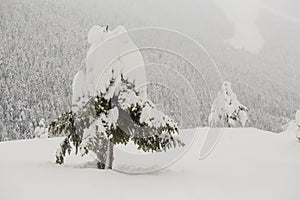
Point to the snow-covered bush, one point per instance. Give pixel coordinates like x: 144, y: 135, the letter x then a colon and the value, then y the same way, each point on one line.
x: 294, y: 125
x: 226, y: 110
x: 115, y: 117
x: 2, y: 131
x: 298, y: 117
x: 298, y: 124
x: 41, y: 130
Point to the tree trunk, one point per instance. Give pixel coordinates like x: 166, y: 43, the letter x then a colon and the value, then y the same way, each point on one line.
x: 110, y: 155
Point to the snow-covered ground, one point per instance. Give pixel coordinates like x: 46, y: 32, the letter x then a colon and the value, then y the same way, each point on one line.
x: 246, y: 164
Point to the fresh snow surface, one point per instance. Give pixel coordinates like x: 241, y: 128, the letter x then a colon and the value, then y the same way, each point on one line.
x: 246, y: 164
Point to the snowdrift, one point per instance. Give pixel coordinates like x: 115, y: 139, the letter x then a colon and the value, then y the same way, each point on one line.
x: 246, y: 164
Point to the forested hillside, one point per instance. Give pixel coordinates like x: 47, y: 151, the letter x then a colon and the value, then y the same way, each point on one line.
x: 43, y: 44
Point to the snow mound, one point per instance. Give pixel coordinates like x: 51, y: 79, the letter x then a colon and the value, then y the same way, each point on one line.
x: 246, y: 164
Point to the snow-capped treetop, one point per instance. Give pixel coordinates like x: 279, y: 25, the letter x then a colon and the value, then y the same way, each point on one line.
x: 1, y: 112
x: 226, y: 100
x: 226, y: 88
x: 42, y: 123
x: 96, y: 34
x: 293, y: 125
x: 110, y: 51
x: 41, y: 131
x: 1, y: 128
x: 297, y: 117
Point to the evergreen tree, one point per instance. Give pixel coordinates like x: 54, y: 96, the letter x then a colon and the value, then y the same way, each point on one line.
x: 115, y: 117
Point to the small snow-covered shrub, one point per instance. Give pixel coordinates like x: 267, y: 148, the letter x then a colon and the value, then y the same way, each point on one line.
x: 226, y: 110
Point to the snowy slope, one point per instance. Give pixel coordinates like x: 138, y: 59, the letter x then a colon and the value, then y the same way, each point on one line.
x: 246, y: 164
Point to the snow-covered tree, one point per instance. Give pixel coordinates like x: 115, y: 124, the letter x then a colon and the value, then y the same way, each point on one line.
x: 2, y: 131
x: 41, y: 130
x: 294, y: 125
x: 115, y: 117
x: 298, y: 124
x: 226, y: 110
